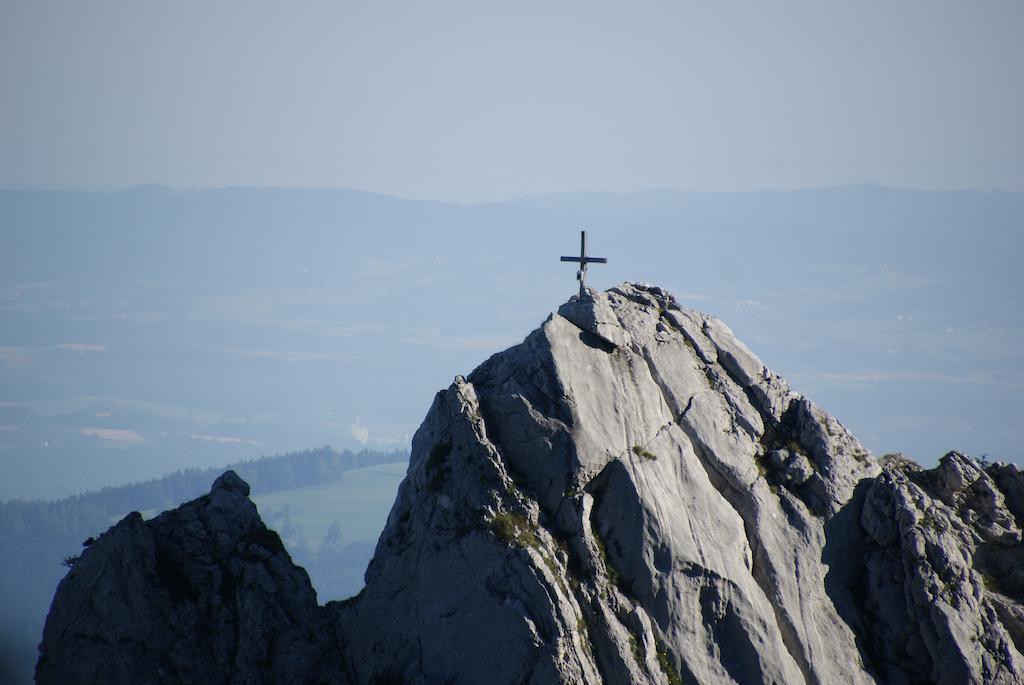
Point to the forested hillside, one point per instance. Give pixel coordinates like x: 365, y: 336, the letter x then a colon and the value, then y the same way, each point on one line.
x: 38, y: 538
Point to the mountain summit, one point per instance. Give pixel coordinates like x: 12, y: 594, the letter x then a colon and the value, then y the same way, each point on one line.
x: 627, y: 496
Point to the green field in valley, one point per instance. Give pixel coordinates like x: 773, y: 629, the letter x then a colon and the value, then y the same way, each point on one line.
x: 359, y: 502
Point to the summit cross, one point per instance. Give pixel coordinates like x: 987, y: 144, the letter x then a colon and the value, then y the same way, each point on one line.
x: 583, y: 260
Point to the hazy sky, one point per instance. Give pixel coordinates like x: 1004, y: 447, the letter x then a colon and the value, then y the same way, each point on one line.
x: 471, y: 101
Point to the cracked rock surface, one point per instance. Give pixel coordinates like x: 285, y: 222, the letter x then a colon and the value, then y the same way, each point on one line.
x: 627, y: 496
x: 201, y: 594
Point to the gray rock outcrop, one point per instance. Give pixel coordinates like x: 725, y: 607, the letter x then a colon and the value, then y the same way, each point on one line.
x: 945, y: 572
x: 628, y: 496
x: 201, y: 594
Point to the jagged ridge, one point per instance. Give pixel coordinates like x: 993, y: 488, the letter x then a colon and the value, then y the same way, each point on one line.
x: 629, y: 495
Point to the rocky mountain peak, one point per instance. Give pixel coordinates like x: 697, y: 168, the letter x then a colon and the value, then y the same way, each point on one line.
x: 202, y: 593
x: 629, y: 495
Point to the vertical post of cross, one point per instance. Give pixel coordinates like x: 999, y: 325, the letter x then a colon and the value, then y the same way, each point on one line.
x: 583, y: 260
x: 581, y: 275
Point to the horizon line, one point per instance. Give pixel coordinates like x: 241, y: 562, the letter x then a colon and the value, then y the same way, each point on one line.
x: 163, y: 187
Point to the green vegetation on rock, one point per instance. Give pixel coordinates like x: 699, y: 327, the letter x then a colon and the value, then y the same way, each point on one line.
x: 514, y: 528
x: 641, y: 451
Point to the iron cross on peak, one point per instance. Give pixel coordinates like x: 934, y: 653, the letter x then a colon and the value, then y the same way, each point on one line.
x: 583, y: 260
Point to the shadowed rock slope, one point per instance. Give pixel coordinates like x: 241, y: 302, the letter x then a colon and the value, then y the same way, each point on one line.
x: 628, y: 496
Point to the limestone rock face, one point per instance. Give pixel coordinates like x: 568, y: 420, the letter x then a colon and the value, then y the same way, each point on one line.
x: 945, y: 572
x: 201, y: 594
x: 627, y: 496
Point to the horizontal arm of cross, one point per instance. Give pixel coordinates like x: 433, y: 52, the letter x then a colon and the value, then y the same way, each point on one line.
x: 588, y: 260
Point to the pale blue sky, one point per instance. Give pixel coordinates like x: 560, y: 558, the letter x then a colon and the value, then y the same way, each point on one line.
x: 471, y: 101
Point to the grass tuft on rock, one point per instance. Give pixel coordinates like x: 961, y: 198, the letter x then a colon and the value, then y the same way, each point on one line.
x: 638, y: 651
x: 665, y: 662
x: 900, y: 461
x: 613, y: 574
x: 514, y: 528
x: 641, y: 451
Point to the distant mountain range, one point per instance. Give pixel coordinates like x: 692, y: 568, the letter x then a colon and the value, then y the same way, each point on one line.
x: 147, y: 330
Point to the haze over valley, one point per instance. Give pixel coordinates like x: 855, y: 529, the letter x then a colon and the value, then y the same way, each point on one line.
x: 268, y: 237
x: 149, y: 330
